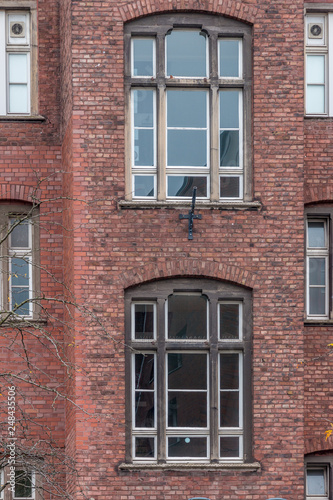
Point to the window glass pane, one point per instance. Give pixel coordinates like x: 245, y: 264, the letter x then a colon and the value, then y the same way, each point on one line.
x: 179, y: 185
x: 18, y: 98
x: 229, y: 371
x: 229, y: 447
x: 20, y: 271
x: 315, y: 69
x: 187, y: 371
x: 229, y: 409
x: 23, y: 484
x: 19, y: 295
x: 144, y: 186
x: 315, y: 99
x: 229, y: 109
x: 230, y: 186
x: 144, y: 147
x: 186, y: 53
x: 316, y: 234
x: 19, y: 237
x: 315, y: 481
x: 187, y: 108
x: 229, y: 321
x: 187, y: 317
x: 18, y: 68
x: 187, y: 409
x: 187, y: 148
x: 317, y: 300
x: 144, y: 447
x: 144, y: 321
x: 144, y: 409
x: 144, y: 371
x: 143, y: 102
x: 229, y: 58
x: 193, y: 447
x: 143, y: 56
x: 317, y: 270
x: 229, y: 148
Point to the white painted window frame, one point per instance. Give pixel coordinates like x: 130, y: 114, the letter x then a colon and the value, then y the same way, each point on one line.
x: 325, y: 468
x: 326, y: 49
x: 320, y: 253
x: 26, y: 255
x: 7, y: 47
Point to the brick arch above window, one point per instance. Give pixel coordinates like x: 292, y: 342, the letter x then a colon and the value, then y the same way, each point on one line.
x: 318, y: 445
x: 238, y: 10
x: 19, y: 192
x: 322, y: 193
x: 189, y: 268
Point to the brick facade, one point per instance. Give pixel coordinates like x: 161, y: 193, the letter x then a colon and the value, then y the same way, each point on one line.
x: 73, y: 161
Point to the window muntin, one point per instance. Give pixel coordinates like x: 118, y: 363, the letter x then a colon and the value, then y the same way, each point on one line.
x: 317, y: 267
x: 184, y: 372
x: 188, y: 137
x: 18, y: 80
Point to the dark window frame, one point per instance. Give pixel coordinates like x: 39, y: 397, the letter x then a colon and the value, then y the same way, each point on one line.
x: 217, y: 292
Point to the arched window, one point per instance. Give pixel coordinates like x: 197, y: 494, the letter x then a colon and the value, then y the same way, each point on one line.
x: 188, y: 88
x: 189, y: 372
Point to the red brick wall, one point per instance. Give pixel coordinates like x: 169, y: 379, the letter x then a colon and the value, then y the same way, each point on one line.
x: 115, y: 247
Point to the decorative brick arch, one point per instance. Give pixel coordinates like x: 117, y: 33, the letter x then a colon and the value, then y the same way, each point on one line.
x: 18, y: 192
x: 230, y: 8
x: 317, y: 444
x: 322, y: 193
x: 189, y: 268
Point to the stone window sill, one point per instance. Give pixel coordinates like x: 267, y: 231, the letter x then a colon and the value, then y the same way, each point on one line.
x: 179, y: 466
x: 185, y: 204
x: 22, y: 118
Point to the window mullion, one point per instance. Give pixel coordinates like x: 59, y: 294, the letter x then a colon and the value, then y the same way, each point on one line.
x: 213, y: 383
x: 161, y: 409
x: 214, y: 143
x: 161, y: 142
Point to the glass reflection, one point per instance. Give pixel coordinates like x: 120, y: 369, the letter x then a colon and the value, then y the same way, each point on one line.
x: 194, y: 447
x: 316, y: 234
x: 143, y: 56
x: 229, y: 58
x: 187, y: 317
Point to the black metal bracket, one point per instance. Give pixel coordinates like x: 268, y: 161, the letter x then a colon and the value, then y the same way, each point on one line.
x: 191, y: 215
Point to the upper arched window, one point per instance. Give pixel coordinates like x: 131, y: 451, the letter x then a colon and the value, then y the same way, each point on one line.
x: 188, y: 107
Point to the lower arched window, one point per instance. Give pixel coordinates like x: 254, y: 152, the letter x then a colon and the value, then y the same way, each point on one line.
x: 189, y: 382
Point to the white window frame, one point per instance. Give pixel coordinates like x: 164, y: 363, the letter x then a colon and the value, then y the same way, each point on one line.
x: 33, y: 488
x: 26, y: 255
x: 27, y: 45
x: 325, y: 468
x: 321, y: 47
x: 318, y: 253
